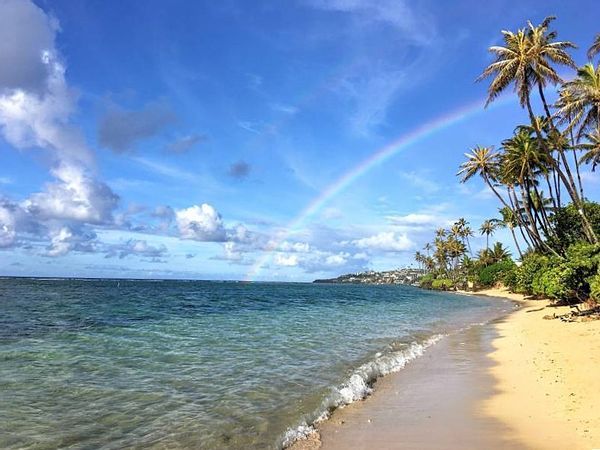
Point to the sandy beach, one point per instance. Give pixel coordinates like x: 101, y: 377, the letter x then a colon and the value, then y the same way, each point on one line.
x: 520, y: 382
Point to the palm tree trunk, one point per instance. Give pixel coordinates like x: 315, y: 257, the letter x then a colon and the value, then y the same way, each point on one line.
x: 567, y: 180
x: 550, y: 191
x: 573, y: 143
x: 522, y: 225
x: 512, y: 231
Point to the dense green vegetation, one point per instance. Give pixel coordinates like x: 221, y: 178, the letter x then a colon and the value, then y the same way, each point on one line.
x: 536, y: 176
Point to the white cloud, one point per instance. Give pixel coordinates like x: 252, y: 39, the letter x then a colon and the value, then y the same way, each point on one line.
x: 137, y: 247
x: 29, y: 119
x: 387, y: 241
x: 65, y: 239
x: 287, y: 246
x: 286, y: 260
x: 8, y: 234
x: 200, y: 223
x: 36, y: 109
x: 75, y: 196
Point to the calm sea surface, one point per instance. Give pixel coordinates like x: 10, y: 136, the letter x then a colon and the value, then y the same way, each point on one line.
x: 106, y: 364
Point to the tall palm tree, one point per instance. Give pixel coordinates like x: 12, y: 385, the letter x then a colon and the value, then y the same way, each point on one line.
x: 565, y: 97
x: 526, y: 60
x: 580, y: 100
x: 523, y: 161
x: 487, y: 227
x: 592, y: 149
x: 510, y: 221
x: 595, y: 48
x: 419, y: 258
x: 482, y: 161
x: 543, y: 52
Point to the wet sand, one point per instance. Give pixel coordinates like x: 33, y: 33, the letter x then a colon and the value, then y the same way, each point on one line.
x: 433, y: 403
x: 521, y: 382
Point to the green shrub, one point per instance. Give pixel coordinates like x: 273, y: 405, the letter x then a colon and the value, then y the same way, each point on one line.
x: 509, y: 278
x: 490, y: 275
x: 570, y: 278
x: 594, y: 282
x: 442, y: 284
x: 566, y: 223
x: 532, y: 264
x: 426, y: 280
x: 554, y: 283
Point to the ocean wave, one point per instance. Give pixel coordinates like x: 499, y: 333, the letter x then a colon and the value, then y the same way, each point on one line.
x: 357, y: 387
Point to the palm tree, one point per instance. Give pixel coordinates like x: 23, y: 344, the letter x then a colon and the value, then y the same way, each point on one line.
x: 565, y: 98
x: 482, y: 161
x: 487, y: 227
x: 509, y: 221
x: 526, y: 60
x: 498, y: 252
x: 455, y: 249
x: 595, y: 48
x: 419, y: 258
x: 580, y: 100
x: 523, y: 161
x: 592, y: 149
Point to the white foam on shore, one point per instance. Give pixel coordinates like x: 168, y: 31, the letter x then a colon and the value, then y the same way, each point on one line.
x: 358, y: 386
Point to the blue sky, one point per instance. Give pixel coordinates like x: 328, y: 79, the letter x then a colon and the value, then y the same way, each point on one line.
x: 181, y: 139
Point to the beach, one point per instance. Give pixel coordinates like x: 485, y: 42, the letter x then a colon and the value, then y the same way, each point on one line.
x: 519, y: 382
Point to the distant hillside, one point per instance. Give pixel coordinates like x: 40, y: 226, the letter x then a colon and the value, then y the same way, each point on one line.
x: 398, y: 276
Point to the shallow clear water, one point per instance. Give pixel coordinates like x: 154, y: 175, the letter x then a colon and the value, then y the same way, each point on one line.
x: 90, y: 364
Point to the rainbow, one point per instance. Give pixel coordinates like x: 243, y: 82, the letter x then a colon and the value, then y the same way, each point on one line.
x: 376, y: 158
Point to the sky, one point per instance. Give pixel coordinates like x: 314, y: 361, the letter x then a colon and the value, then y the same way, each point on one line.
x: 248, y: 140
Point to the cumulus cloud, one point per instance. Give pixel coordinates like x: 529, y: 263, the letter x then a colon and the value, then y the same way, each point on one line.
x: 36, y: 110
x: 65, y: 239
x: 26, y: 32
x: 387, y: 241
x: 137, y: 247
x: 8, y: 232
x: 75, y: 196
x: 121, y: 129
x: 186, y: 143
x: 200, y: 223
x: 286, y: 260
x: 324, y: 261
x: 30, y: 119
x: 239, y: 170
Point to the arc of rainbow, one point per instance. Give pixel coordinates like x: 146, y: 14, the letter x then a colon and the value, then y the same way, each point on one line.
x: 376, y: 158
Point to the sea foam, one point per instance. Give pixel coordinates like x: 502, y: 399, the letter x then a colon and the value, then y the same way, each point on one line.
x: 358, y: 386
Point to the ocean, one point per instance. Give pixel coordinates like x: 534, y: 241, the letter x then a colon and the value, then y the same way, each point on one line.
x: 112, y: 364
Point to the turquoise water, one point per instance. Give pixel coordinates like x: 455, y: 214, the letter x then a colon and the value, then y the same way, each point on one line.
x: 89, y: 364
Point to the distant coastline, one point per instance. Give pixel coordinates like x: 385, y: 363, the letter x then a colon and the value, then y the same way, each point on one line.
x: 406, y: 276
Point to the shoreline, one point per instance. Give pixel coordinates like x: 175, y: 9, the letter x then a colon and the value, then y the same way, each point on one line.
x: 519, y: 382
